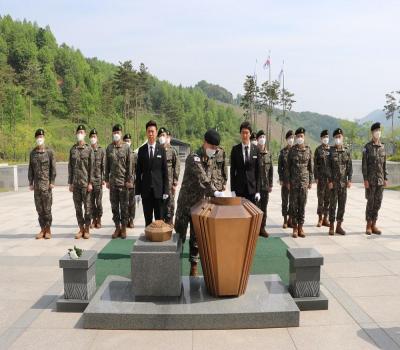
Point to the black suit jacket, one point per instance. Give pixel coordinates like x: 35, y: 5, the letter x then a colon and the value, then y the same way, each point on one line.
x: 151, y: 176
x: 244, y: 177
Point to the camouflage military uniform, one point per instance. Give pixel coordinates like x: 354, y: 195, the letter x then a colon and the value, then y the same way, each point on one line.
x: 220, y: 170
x: 118, y: 172
x: 196, y: 185
x: 42, y: 174
x: 97, y: 182
x: 374, y: 171
x: 339, y: 171
x: 266, y: 181
x: 283, y: 173
x: 300, y: 165
x: 174, y: 168
x: 131, y: 191
x: 80, y: 174
x: 321, y: 155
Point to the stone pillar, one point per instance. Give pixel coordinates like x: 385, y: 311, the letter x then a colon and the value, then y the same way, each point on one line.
x: 156, y: 267
x: 304, y: 280
x: 79, y: 281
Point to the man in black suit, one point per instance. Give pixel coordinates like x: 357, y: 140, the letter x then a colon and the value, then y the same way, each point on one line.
x: 244, y: 167
x: 152, y: 175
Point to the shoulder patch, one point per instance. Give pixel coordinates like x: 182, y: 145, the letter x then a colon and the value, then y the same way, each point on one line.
x: 196, y: 158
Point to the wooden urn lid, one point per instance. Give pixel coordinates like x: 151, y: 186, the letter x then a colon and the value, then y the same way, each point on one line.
x: 158, y: 231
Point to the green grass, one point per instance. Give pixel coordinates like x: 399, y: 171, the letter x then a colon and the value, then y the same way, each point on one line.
x: 393, y: 188
x: 270, y: 258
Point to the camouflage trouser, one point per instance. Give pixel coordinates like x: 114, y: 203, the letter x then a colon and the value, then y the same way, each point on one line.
x: 182, y: 220
x: 131, y: 204
x: 374, y: 195
x: 286, y: 205
x: 119, y: 204
x: 82, y: 198
x: 96, y: 197
x: 262, y: 204
x: 323, y: 197
x: 338, y: 196
x: 169, y: 208
x: 298, y: 200
x: 43, y: 202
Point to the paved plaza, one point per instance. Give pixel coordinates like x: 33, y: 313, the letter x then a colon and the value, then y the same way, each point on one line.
x: 360, y: 276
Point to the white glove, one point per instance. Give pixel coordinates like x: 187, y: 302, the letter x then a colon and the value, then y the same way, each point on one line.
x: 233, y: 193
x: 137, y: 198
x: 257, y: 197
x: 218, y: 194
x: 165, y: 196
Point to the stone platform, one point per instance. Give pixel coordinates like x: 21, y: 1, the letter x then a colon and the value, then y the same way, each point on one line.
x: 265, y: 304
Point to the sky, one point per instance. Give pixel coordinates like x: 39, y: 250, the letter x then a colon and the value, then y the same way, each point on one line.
x: 341, y: 57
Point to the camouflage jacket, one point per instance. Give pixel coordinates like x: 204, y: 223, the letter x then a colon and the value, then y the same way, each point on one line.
x: 219, y: 173
x: 42, y: 168
x: 266, y: 171
x: 300, y: 165
x: 99, y: 166
x: 134, y: 158
x: 283, y: 170
x: 374, y: 163
x: 80, y: 165
x: 321, y: 155
x: 118, y: 164
x: 174, y: 166
x: 340, y: 167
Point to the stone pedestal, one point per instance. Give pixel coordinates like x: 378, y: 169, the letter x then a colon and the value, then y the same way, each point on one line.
x: 304, y: 281
x: 156, y: 267
x: 79, y: 281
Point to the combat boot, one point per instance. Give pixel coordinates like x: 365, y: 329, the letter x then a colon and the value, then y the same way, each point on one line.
x: 47, y: 233
x: 80, y: 233
x: 130, y: 223
x: 319, y: 223
x: 93, y: 223
x: 325, y: 221
x: 40, y: 235
x: 368, y: 229
x: 263, y: 233
x: 375, y: 230
x: 284, y: 221
x: 123, y: 232
x: 290, y: 222
x: 301, y: 231
x: 98, y: 222
x: 193, y: 269
x: 294, y: 234
x: 332, y: 228
x: 116, y: 232
x: 86, y: 233
x: 339, y: 228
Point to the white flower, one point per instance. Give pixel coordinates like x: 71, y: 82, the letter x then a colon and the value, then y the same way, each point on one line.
x: 73, y: 255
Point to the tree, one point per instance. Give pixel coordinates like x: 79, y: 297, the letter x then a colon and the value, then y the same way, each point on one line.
x: 391, y: 107
x: 249, y: 99
x: 286, y: 102
x: 30, y: 81
x: 269, y: 98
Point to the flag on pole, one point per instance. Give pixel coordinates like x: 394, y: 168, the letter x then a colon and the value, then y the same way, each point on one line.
x: 267, y: 63
x: 280, y: 75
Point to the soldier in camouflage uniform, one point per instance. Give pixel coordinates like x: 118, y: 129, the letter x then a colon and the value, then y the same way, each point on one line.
x: 98, y: 180
x: 80, y: 177
x: 220, y: 170
x: 375, y: 177
x: 300, y: 165
x: 283, y: 173
x: 320, y: 175
x: 266, y: 171
x: 41, y: 177
x: 174, y: 166
x: 196, y: 185
x: 339, y: 171
x: 131, y: 191
x: 118, y: 176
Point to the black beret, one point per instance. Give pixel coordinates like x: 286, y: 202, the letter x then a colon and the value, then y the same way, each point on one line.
x: 375, y: 126
x: 93, y: 132
x: 300, y: 131
x: 39, y: 132
x: 245, y: 125
x: 338, y: 131
x: 212, y: 137
x: 161, y: 130
x: 260, y: 133
x: 253, y: 136
x: 80, y: 127
x: 289, y: 133
x: 127, y: 137
x: 117, y: 127
x: 324, y: 133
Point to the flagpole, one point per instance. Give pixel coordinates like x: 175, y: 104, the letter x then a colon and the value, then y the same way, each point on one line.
x: 283, y: 104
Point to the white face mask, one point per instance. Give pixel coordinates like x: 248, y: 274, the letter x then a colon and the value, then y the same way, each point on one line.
x: 93, y: 140
x: 254, y: 142
x: 162, y: 140
x: 40, y: 141
x: 261, y: 141
x: 290, y: 141
x: 116, y: 137
x: 338, y: 141
x: 377, y: 134
x: 299, y: 140
x: 80, y: 137
x: 210, y: 152
x: 325, y: 140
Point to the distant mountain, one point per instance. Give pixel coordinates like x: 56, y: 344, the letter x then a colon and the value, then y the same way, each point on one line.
x: 378, y: 115
x: 215, y: 92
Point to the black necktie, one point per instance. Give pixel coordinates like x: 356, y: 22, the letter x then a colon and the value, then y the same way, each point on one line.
x: 151, y: 153
x: 246, y: 154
